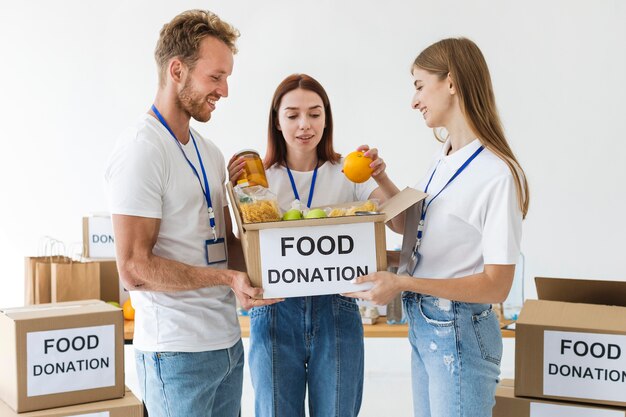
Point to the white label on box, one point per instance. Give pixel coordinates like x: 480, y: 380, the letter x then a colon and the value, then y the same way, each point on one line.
x: 557, y: 410
x: 101, y: 414
x: 584, y: 365
x: 100, y: 235
x: 316, y: 260
x: 70, y: 360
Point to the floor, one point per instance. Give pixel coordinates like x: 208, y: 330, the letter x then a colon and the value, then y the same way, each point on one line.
x: 387, y: 390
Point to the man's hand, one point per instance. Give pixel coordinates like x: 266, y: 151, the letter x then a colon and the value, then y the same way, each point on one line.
x: 386, y: 287
x: 246, y: 293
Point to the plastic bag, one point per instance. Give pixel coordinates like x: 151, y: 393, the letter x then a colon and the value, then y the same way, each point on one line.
x: 257, y: 204
x: 352, y: 208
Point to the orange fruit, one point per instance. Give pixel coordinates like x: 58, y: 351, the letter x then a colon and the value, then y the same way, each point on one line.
x: 357, y: 167
x: 129, y: 311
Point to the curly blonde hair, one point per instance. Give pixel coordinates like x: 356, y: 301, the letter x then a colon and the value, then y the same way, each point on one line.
x: 181, y: 38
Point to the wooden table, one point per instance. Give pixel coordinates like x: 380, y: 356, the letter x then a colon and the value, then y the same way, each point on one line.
x: 380, y: 329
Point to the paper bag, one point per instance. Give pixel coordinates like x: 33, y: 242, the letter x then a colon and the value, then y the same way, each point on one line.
x: 37, y: 278
x: 74, y: 281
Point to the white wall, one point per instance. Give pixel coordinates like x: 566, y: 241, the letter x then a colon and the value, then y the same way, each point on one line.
x: 75, y: 73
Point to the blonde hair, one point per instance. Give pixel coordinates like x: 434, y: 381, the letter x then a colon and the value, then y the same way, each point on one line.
x: 464, y: 62
x: 181, y: 38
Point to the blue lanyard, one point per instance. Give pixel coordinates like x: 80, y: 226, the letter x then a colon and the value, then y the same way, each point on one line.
x: 295, y: 190
x: 420, y: 227
x: 205, y: 190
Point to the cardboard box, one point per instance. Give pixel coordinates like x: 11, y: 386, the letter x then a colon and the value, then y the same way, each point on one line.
x: 508, y: 405
x: 98, y: 241
x: 111, y: 288
x: 574, y: 348
x: 318, y: 256
x: 127, y: 406
x: 53, y: 355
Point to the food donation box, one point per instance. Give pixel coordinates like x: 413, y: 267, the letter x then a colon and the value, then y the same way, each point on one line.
x: 127, y: 406
x: 508, y: 405
x: 571, y: 343
x: 318, y: 256
x: 54, y: 355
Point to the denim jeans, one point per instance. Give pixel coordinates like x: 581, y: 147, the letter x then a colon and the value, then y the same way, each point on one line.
x: 455, y: 359
x: 191, y: 384
x: 314, y: 342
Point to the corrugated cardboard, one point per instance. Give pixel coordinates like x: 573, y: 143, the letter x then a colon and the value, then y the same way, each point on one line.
x: 127, y: 406
x: 111, y: 288
x: 94, y: 328
x: 249, y: 234
x: 573, y: 349
x: 508, y: 405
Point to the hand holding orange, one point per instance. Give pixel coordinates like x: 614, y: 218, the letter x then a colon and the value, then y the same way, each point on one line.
x: 128, y: 310
x: 356, y: 167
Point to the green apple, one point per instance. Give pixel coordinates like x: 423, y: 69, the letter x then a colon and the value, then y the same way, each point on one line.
x: 316, y: 214
x: 114, y: 304
x: 293, y: 214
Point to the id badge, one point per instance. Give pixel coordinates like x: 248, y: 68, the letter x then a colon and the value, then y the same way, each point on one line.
x: 414, y: 260
x: 215, y: 251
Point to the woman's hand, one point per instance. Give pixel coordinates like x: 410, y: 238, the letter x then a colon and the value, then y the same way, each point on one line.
x: 235, y: 169
x: 378, y: 164
x: 386, y: 286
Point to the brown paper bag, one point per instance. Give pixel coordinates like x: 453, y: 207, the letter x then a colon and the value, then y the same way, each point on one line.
x: 74, y: 281
x: 37, y: 278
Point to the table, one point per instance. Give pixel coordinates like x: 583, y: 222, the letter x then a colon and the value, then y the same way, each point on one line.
x: 380, y: 329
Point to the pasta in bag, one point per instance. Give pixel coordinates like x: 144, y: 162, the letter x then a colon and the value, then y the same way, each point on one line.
x: 257, y: 204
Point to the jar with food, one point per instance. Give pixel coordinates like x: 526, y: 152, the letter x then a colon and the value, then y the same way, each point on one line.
x: 253, y: 170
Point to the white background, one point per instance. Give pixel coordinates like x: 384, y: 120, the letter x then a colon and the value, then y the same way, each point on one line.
x: 75, y: 73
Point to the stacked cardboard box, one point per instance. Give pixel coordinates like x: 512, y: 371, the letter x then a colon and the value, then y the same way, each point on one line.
x: 127, y: 406
x: 570, y: 352
x: 62, y: 354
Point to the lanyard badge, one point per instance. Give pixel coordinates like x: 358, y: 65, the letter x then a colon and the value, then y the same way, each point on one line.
x: 415, y: 255
x: 295, y: 190
x: 206, y: 191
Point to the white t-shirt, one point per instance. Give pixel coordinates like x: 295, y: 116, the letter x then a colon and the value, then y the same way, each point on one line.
x: 331, y: 186
x: 148, y: 176
x: 475, y: 221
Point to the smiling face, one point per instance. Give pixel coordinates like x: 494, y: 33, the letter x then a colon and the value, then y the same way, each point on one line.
x: 434, y: 97
x: 301, y: 119
x: 205, y: 83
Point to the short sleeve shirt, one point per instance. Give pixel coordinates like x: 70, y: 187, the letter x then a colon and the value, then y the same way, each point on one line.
x: 475, y: 221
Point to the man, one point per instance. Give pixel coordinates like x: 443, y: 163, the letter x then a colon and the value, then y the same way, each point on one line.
x: 173, y: 232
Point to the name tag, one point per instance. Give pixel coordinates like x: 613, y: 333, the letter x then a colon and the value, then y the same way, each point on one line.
x: 215, y: 251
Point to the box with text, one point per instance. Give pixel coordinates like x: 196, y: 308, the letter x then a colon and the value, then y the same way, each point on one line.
x: 318, y: 256
x: 508, y: 405
x: 60, y: 354
x: 127, y: 406
x: 571, y: 343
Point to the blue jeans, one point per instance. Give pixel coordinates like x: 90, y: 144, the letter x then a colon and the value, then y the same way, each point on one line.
x: 307, y: 341
x: 455, y: 360
x: 191, y: 384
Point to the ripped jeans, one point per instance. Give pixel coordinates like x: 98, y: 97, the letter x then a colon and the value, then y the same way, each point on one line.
x: 455, y: 358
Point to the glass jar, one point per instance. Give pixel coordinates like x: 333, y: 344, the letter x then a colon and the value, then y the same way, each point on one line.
x: 253, y: 170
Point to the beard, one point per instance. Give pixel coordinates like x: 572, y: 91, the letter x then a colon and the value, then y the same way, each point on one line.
x: 193, y: 103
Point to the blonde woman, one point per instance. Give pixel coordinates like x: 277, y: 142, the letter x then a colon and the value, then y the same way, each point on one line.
x: 466, y: 239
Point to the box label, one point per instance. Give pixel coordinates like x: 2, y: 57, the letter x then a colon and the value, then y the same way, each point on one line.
x: 101, y: 414
x: 584, y: 365
x: 555, y: 410
x: 100, y: 236
x: 316, y: 260
x: 70, y: 360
